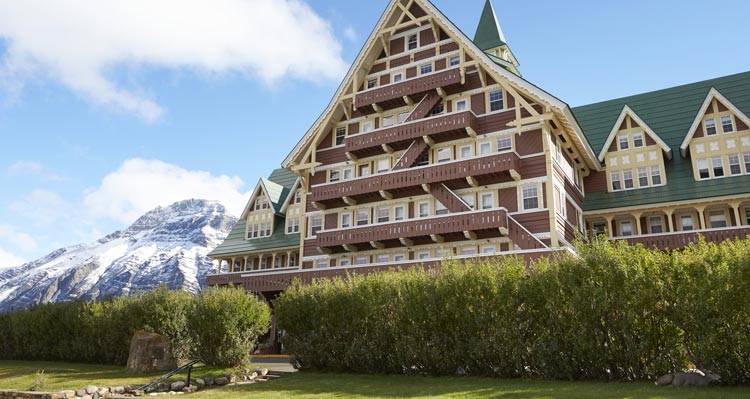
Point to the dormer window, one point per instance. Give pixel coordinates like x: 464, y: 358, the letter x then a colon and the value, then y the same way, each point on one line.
x: 726, y: 124
x: 637, y: 139
x: 718, y: 166
x: 703, y: 169
x: 412, y: 42
x: 710, y: 126
x: 615, y: 178
x: 627, y: 179
x: 622, y: 142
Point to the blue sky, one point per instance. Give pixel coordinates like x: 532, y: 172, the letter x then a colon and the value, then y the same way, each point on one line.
x: 128, y: 113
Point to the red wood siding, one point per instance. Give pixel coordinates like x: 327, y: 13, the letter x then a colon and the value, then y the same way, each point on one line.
x: 331, y: 156
x: 397, y: 46
x: 378, y: 68
x: 440, y: 64
x: 533, y: 167
x: 529, y: 143
x: 596, y: 182
x: 740, y: 124
x: 331, y: 221
x: 477, y: 104
x: 507, y: 198
x: 397, y: 62
x: 426, y: 37
x: 424, y: 54
x: 447, y: 48
x: 535, y: 222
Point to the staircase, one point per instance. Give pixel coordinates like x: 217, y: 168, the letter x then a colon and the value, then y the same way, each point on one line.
x: 522, y: 237
x: 425, y: 106
x: 412, y: 155
x: 448, y: 198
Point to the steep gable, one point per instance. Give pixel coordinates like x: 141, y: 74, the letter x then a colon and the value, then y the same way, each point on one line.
x: 715, y: 103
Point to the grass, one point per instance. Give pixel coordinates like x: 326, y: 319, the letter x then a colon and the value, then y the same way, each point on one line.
x: 20, y: 375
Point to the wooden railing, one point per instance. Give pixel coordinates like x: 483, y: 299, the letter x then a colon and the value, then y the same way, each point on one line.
x: 436, y: 173
x: 680, y: 239
x: 448, y: 198
x: 429, y: 101
x: 411, y: 130
x: 522, y: 237
x: 408, y: 87
x: 411, y: 155
x: 450, y: 223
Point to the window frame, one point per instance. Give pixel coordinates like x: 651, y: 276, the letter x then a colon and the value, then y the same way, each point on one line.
x: 342, y: 216
x: 622, y: 223
x: 724, y: 125
x: 623, y: 145
x: 535, y: 197
x: 718, y: 212
x: 403, y: 213
x: 383, y: 219
x: 682, y: 222
x: 371, y: 83
x: 643, y: 173
x: 419, y: 209
x: 361, y: 222
x: 640, y: 138
x: 332, y: 173
x: 504, y: 149
x: 615, y: 184
x: 493, y: 102
x: 487, y: 145
x: 465, y: 147
x: 717, y: 164
x: 737, y: 164
x: 408, y: 40
x: 439, y: 151
x: 483, y: 196
x: 451, y: 63
x: 425, y: 69
x: 651, y: 224
x: 463, y: 101
x: 625, y: 179
x: 655, y: 176
x: 339, y: 136
x: 313, y: 232
x: 707, y: 128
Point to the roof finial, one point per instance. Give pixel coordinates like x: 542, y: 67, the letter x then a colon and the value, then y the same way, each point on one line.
x: 489, y: 34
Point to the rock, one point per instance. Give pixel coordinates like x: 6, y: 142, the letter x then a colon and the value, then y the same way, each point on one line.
x: 70, y: 394
x: 91, y: 389
x: 137, y: 392
x: 87, y: 397
x: 150, y: 352
x: 103, y: 391
x: 253, y: 376
x: 153, y: 394
x: 162, y: 387
x: 80, y: 392
x: 199, y: 382
x: 177, y: 386
x: 95, y: 395
x: 221, y: 380
x: 190, y: 389
x: 210, y: 380
x: 118, y: 390
x: 262, y: 371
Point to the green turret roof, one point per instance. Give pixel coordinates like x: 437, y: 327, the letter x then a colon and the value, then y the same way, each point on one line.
x: 489, y: 35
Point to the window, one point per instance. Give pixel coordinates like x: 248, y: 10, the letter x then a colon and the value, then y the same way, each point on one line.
x: 726, y: 124
x: 469, y: 200
x: 402, y: 117
x: 333, y: 176
x: 346, y: 220
x: 560, y: 207
x: 364, y: 170
x: 399, y: 213
x: 703, y: 168
x: 438, y: 109
x: 622, y: 142
x: 372, y: 83
x: 423, y: 255
x: 486, y: 148
x: 382, y: 258
x: 316, y: 224
x: 718, y: 166
x: 399, y: 257
x: 626, y: 228
x: 384, y: 214
x: 397, y: 77
x: 425, y: 69
x: 387, y: 121
x: 423, y: 209
x: 734, y: 165
x: 655, y: 175
x: 504, y: 144
x: 747, y: 216
x: 412, y: 42
x: 361, y: 260
x: 488, y: 249
x: 292, y: 226
x: 487, y: 200
x: 637, y: 139
x: 627, y: 179
x: 439, y: 253
x: 530, y: 196
x: 348, y: 173
x: 746, y: 160
x: 599, y: 228
x: 496, y: 100
x: 642, y: 177
x: 367, y: 126
x: 614, y: 177
x: 293, y: 260
x: 454, y: 61
x: 686, y: 223
x: 440, y: 209
x: 297, y: 197
x: 717, y: 219
x: 257, y: 204
x: 340, y: 134
x: 443, y: 155
x: 321, y: 264
x: 363, y: 217
x: 468, y: 250
x: 383, y: 165
x: 654, y: 225
x: 344, y: 262
x: 465, y: 152
x: 460, y: 105
x: 710, y: 126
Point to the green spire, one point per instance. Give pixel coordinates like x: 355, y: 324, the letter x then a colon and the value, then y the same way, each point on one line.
x: 489, y: 35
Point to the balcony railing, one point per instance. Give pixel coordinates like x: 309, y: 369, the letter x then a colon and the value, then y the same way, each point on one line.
x: 680, y: 239
x: 436, y: 225
x: 411, y: 130
x: 408, y: 87
x: 435, y: 173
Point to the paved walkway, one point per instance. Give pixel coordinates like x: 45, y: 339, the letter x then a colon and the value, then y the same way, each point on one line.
x: 274, y: 363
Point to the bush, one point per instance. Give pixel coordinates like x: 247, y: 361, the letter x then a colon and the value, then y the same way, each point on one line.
x: 100, y: 332
x: 615, y: 312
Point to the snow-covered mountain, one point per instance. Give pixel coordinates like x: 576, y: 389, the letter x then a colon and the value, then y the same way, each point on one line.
x: 166, y: 245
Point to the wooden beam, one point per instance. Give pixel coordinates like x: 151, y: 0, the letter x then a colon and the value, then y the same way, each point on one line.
x: 482, y: 77
x: 470, y: 235
x: 351, y: 156
x: 518, y: 97
x: 350, y: 248
x: 318, y: 205
x: 406, y: 11
x: 349, y: 201
x: 427, y: 139
x: 377, y: 244
x: 326, y: 251
x: 384, y: 41
x: 472, y: 181
x: 435, y: 30
x: 309, y: 165
x: 471, y: 131
x: 377, y: 108
x: 503, y: 231
x: 426, y: 188
x: 515, y: 175
x: 437, y: 238
x: 345, y: 108
x: 406, y: 242
x: 386, y: 195
x: 530, y: 119
x: 400, y: 25
x: 408, y: 101
x: 442, y: 93
x: 387, y: 148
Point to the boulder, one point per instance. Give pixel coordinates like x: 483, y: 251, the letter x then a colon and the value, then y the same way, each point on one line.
x: 87, y: 397
x: 80, y: 392
x: 117, y: 390
x: 177, y: 386
x: 190, y: 389
x: 70, y: 394
x: 150, y: 352
x: 221, y: 380
x: 209, y: 380
x: 162, y: 387
x: 199, y: 382
x: 103, y: 392
x: 91, y: 389
x: 253, y: 376
x: 263, y: 372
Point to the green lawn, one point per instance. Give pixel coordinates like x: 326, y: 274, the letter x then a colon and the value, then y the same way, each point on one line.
x: 19, y: 375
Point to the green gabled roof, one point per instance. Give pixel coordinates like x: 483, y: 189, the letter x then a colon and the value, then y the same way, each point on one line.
x: 670, y: 113
x: 278, y: 186
x: 236, y: 244
x: 488, y: 35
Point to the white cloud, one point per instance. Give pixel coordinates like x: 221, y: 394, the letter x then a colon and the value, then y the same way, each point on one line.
x: 34, y: 169
x: 350, y: 34
x: 18, y: 239
x: 140, y: 185
x: 7, y: 259
x: 80, y: 43
x: 43, y: 207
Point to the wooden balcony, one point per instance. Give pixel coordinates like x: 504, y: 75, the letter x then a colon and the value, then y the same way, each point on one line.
x: 434, y: 226
x: 681, y: 239
x: 400, y: 136
x: 397, y: 91
x: 327, y: 194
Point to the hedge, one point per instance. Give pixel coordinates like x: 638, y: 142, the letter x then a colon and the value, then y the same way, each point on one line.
x: 614, y: 312
x: 101, y: 331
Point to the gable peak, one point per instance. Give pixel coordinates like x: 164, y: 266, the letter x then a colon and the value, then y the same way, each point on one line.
x: 489, y: 38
